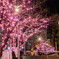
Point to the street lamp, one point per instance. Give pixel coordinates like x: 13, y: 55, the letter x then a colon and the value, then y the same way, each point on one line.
x: 16, y: 9
x: 40, y: 39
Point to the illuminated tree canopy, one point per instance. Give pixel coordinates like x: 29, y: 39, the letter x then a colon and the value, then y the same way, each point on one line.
x: 45, y: 47
x: 20, y: 20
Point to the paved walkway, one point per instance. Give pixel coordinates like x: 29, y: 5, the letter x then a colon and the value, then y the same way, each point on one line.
x: 42, y: 57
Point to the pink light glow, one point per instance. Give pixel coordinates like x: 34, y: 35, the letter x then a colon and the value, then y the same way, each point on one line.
x: 11, y: 18
x: 27, y: 9
x: 9, y: 14
x: 29, y: 1
x: 10, y: 6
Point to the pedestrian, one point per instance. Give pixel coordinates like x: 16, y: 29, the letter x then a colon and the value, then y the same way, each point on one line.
x: 21, y: 54
x: 13, y: 55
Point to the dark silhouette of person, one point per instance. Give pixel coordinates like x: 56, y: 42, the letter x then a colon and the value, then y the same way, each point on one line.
x: 13, y: 55
x: 21, y: 53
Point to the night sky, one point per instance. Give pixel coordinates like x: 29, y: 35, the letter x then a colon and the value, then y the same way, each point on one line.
x: 53, y: 6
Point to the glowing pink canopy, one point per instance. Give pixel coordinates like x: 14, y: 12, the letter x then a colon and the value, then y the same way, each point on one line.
x: 20, y: 20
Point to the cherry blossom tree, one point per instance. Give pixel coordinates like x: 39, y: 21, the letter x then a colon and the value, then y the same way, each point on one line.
x: 45, y: 47
x: 20, y: 19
